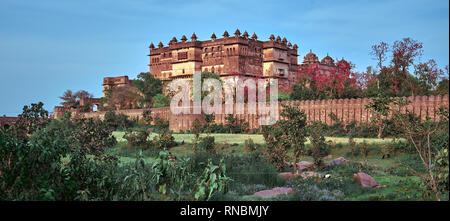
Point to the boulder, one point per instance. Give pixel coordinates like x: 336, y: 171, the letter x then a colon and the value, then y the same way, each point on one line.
x: 274, y: 192
x: 309, y: 174
x: 287, y: 175
x: 364, y: 180
x: 303, y: 165
x: 336, y: 161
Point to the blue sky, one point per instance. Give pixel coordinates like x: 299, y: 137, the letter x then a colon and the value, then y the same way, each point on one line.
x: 48, y: 46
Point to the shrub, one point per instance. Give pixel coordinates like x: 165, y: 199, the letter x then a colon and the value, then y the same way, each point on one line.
x: 165, y: 139
x: 117, y: 121
x: 319, y: 148
x: 207, y: 144
x: 250, y: 146
x: 138, y: 138
x: 364, y: 149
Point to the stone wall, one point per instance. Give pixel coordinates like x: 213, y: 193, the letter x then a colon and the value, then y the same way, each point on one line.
x: 316, y: 110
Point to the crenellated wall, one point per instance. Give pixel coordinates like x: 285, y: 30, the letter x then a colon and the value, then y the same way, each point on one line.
x: 316, y: 110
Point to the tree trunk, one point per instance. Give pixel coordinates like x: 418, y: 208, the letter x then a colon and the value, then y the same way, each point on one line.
x: 295, y: 161
x: 380, y: 130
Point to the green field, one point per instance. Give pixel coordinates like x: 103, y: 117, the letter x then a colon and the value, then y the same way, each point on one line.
x: 241, y: 138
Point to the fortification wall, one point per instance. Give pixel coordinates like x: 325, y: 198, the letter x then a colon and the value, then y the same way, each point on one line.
x: 347, y: 110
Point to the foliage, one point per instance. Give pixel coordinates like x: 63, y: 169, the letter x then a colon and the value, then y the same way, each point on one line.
x: 213, y: 179
x: 234, y: 125
x: 380, y: 109
x: 147, y: 116
x: 293, y: 126
x: 138, y: 138
x: 93, y: 135
x: 206, y: 144
x: 165, y: 139
x: 319, y: 148
x: 72, y: 100
x: 276, y: 147
x: 422, y: 134
x: 124, y: 97
x: 250, y: 146
x: 196, y: 129
x: 159, y: 100
x: 32, y: 118
x: 117, y: 121
x: 149, y: 87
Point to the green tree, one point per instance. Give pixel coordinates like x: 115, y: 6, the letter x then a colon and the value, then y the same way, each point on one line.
x: 160, y: 100
x: 149, y: 86
x: 380, y: 109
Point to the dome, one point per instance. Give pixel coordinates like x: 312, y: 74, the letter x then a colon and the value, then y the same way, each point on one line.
x: 310, y: 58
x: 327, y: 60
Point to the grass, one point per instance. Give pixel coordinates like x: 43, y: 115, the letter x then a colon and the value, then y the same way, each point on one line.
x: 241, y: 138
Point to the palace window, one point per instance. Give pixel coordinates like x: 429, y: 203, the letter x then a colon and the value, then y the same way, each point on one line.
x: 182, y: 55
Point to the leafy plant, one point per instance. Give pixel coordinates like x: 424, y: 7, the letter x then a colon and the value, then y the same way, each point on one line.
x: 212, y: 180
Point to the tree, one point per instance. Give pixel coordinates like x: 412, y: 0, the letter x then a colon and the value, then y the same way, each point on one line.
x: 293, y: 123
x: 68, y: 98
x: 160, y: 100
x: 404, y: 53
x: 148, y: 86
x: 421, y: 135
x: 147, y: 116
x: 72, y: 100
x: 124, y: 97
x: 32, y: 118
x: 380, y: 109
x: 338, y: 81
x: 379, y: 51
x: 288, y: 133
x: 428, y: 74
x: 319, y: 148
x: 196, y: 129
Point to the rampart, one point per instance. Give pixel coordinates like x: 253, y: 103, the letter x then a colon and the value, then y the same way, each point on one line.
x: 347, y: 110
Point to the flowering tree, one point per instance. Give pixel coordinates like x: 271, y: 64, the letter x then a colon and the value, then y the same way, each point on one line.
x: 428, y: 74
x: 337, y: 81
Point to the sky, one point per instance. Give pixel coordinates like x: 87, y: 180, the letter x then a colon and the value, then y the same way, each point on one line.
x: 49, y: 46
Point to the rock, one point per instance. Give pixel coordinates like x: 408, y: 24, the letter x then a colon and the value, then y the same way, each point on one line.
x: 274, y: 192
x: 328, y: 157
x: 303, y: 165
x: 336, y: 161
x: 287, y: 175
x: 364, y: 180
x: 309, y: 174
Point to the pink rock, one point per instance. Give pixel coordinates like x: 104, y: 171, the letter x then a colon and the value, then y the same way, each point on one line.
x: 287, y: 175
x: 336, y: 161
x: 274, y: 192
x: 364, y: 180
x: 303, y: 165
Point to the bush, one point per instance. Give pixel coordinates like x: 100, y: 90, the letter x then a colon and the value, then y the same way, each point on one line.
x: 319, y: 148
x: 250, y: 146
x: 206, y: 144
x: 138, y: 138
x: 165, y: 139
x: 117, y: 121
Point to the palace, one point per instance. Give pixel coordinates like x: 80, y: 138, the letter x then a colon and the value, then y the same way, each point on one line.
x: 228, y: 56
x: 234, y: 56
